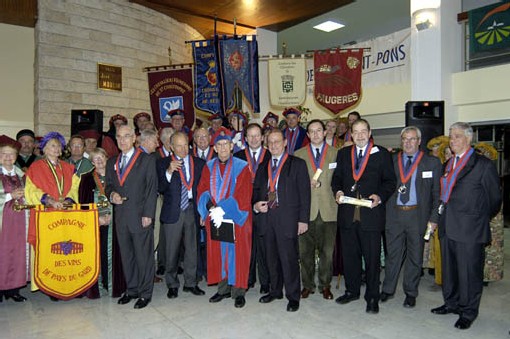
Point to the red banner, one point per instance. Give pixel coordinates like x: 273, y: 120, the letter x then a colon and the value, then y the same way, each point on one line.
x: 338, y: 78
x: 170, y: 89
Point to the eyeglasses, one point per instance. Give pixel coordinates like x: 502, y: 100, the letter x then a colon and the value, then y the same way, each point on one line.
x: 409, y: 139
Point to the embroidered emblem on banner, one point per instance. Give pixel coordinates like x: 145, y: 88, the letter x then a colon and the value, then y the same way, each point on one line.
x: 66, y: 261
x: 169, y: 104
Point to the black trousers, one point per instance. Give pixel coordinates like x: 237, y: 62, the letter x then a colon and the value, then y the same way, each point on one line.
x: 462, y: 268
x: 258, y: 258
x: 358, y: 244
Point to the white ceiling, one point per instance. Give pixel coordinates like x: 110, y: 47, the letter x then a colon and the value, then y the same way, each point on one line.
x: 363, y: 20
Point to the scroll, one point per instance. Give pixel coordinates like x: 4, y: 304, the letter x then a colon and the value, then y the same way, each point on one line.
x: 354, y: 201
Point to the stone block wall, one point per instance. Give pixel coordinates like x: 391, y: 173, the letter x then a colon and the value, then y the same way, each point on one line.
x: 72, y: 36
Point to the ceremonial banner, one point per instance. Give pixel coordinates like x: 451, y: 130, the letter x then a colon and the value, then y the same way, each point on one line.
x: 67, y: 255
x: 489, y: 28
x: 386, y: 61
x: 338, y: 78
x: 287, y: 81
x: 171, y: 89
x: 239, y: 70
x: 207, y: 78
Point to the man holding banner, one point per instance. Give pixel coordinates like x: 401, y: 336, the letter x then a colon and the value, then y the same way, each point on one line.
x: 131, y: 185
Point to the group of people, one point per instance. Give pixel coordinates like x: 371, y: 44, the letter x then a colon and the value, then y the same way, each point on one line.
x: 254, y: 201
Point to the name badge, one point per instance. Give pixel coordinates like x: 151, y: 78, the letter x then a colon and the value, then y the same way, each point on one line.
x: 426, y: 174
x: 374, y: 149
x: 332, y: 165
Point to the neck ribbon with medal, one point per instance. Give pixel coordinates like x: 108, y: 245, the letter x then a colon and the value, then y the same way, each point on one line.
x: 449, y: 178
x: 182, y: 173
x: 129, y: 166
x: 253, y: 164
x: 405, y: 177
x: 316, y: 165
x: 58, y: 175
x: 273, y: 179
x: 358, y: 173
x: 220, y: 183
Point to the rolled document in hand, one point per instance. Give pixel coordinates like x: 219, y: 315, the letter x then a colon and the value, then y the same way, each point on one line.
x: 353, y: 201
x: 317, y: 174
x: 428, y: 232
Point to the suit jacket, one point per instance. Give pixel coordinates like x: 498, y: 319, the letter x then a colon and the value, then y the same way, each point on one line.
x: 140, y: 189
x: 171, y: 191
x: 302, y: 139
x: 322, y: 200
x: 293, y: 196
x: 475, y: 199
x: 428, y: 173
x: 242, y: 155
x: 378, y: 178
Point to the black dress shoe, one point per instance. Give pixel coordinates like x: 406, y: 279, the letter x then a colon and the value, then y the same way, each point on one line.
x: 141, y: 303
x: 16, y: 298
x: 444, y: 310
x: 194, y: 290
x: 409, y: 302
x: 292, y: 306
x: 346, y: 298
x: 218, y: 297
x: 264, y: 289
x: 173, y: 292
x: 372, y: 306
x: 240, y: 302
x: 125, y: 299
x: 385, y: 296
x: 463, y: 323
x: 161, y: 270
x: 268, y: 298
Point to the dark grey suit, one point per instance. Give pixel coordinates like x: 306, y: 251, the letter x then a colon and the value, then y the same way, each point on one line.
x: 136, y: 242
x: 405, y: 229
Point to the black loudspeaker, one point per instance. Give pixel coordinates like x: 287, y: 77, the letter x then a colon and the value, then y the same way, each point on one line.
x: 84, y: 119
x: 428, y: 116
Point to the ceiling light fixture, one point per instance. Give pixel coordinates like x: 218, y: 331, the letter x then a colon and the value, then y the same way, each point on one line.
x: 328, y: 26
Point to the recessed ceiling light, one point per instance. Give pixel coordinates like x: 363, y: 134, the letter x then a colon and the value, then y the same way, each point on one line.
x: 328, y: 26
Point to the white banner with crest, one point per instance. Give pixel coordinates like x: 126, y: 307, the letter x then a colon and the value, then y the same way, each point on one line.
x: 287, y: 81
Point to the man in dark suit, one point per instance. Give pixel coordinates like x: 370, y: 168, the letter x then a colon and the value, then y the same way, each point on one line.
x: 364, y: 171
x: 131, y: 184
x: 281, y: 194
x: 294, y: 134
x: 256, y: 156
x: 470, y: 197
x: 409, y: 210
x: 178, y: 177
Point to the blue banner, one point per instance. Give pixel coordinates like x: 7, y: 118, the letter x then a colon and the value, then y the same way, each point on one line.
x: 239, y: 69
x: 207, y: 78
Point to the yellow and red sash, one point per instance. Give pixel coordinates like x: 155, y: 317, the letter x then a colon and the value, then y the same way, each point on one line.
x: 66, y: 262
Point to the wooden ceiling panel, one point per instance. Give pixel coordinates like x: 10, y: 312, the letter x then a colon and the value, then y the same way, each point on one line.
x: 275, y: 15
x: 18, y: 12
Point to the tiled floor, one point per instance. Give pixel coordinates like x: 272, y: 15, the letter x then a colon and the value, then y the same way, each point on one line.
x: 190, y: 316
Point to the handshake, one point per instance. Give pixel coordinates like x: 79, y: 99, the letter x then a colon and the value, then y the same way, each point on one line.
x: 216, y: 214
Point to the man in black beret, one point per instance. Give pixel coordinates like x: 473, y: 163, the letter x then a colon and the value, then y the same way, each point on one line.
x: 26, y: 154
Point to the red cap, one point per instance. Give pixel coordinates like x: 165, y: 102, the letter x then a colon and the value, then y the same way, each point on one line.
x: 291, y: 110
x: 270, y: 115
x: 8, y: 141
x: 90, y: 133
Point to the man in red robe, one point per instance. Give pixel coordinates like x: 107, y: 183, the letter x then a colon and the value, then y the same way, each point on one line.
x: 224, y: 197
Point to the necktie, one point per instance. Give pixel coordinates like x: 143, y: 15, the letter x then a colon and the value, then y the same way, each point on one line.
x: 202, y: 155
x: 404, y: 197
x: 317, y: 155
x: 457, y: 160
x: 123, y: 164
x: 254, y: 157
x: 275, y: 165
x: 358, y: 159
x: 184, y: 189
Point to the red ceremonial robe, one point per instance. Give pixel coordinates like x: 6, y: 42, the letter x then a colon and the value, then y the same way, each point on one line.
x: 237, y: 206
